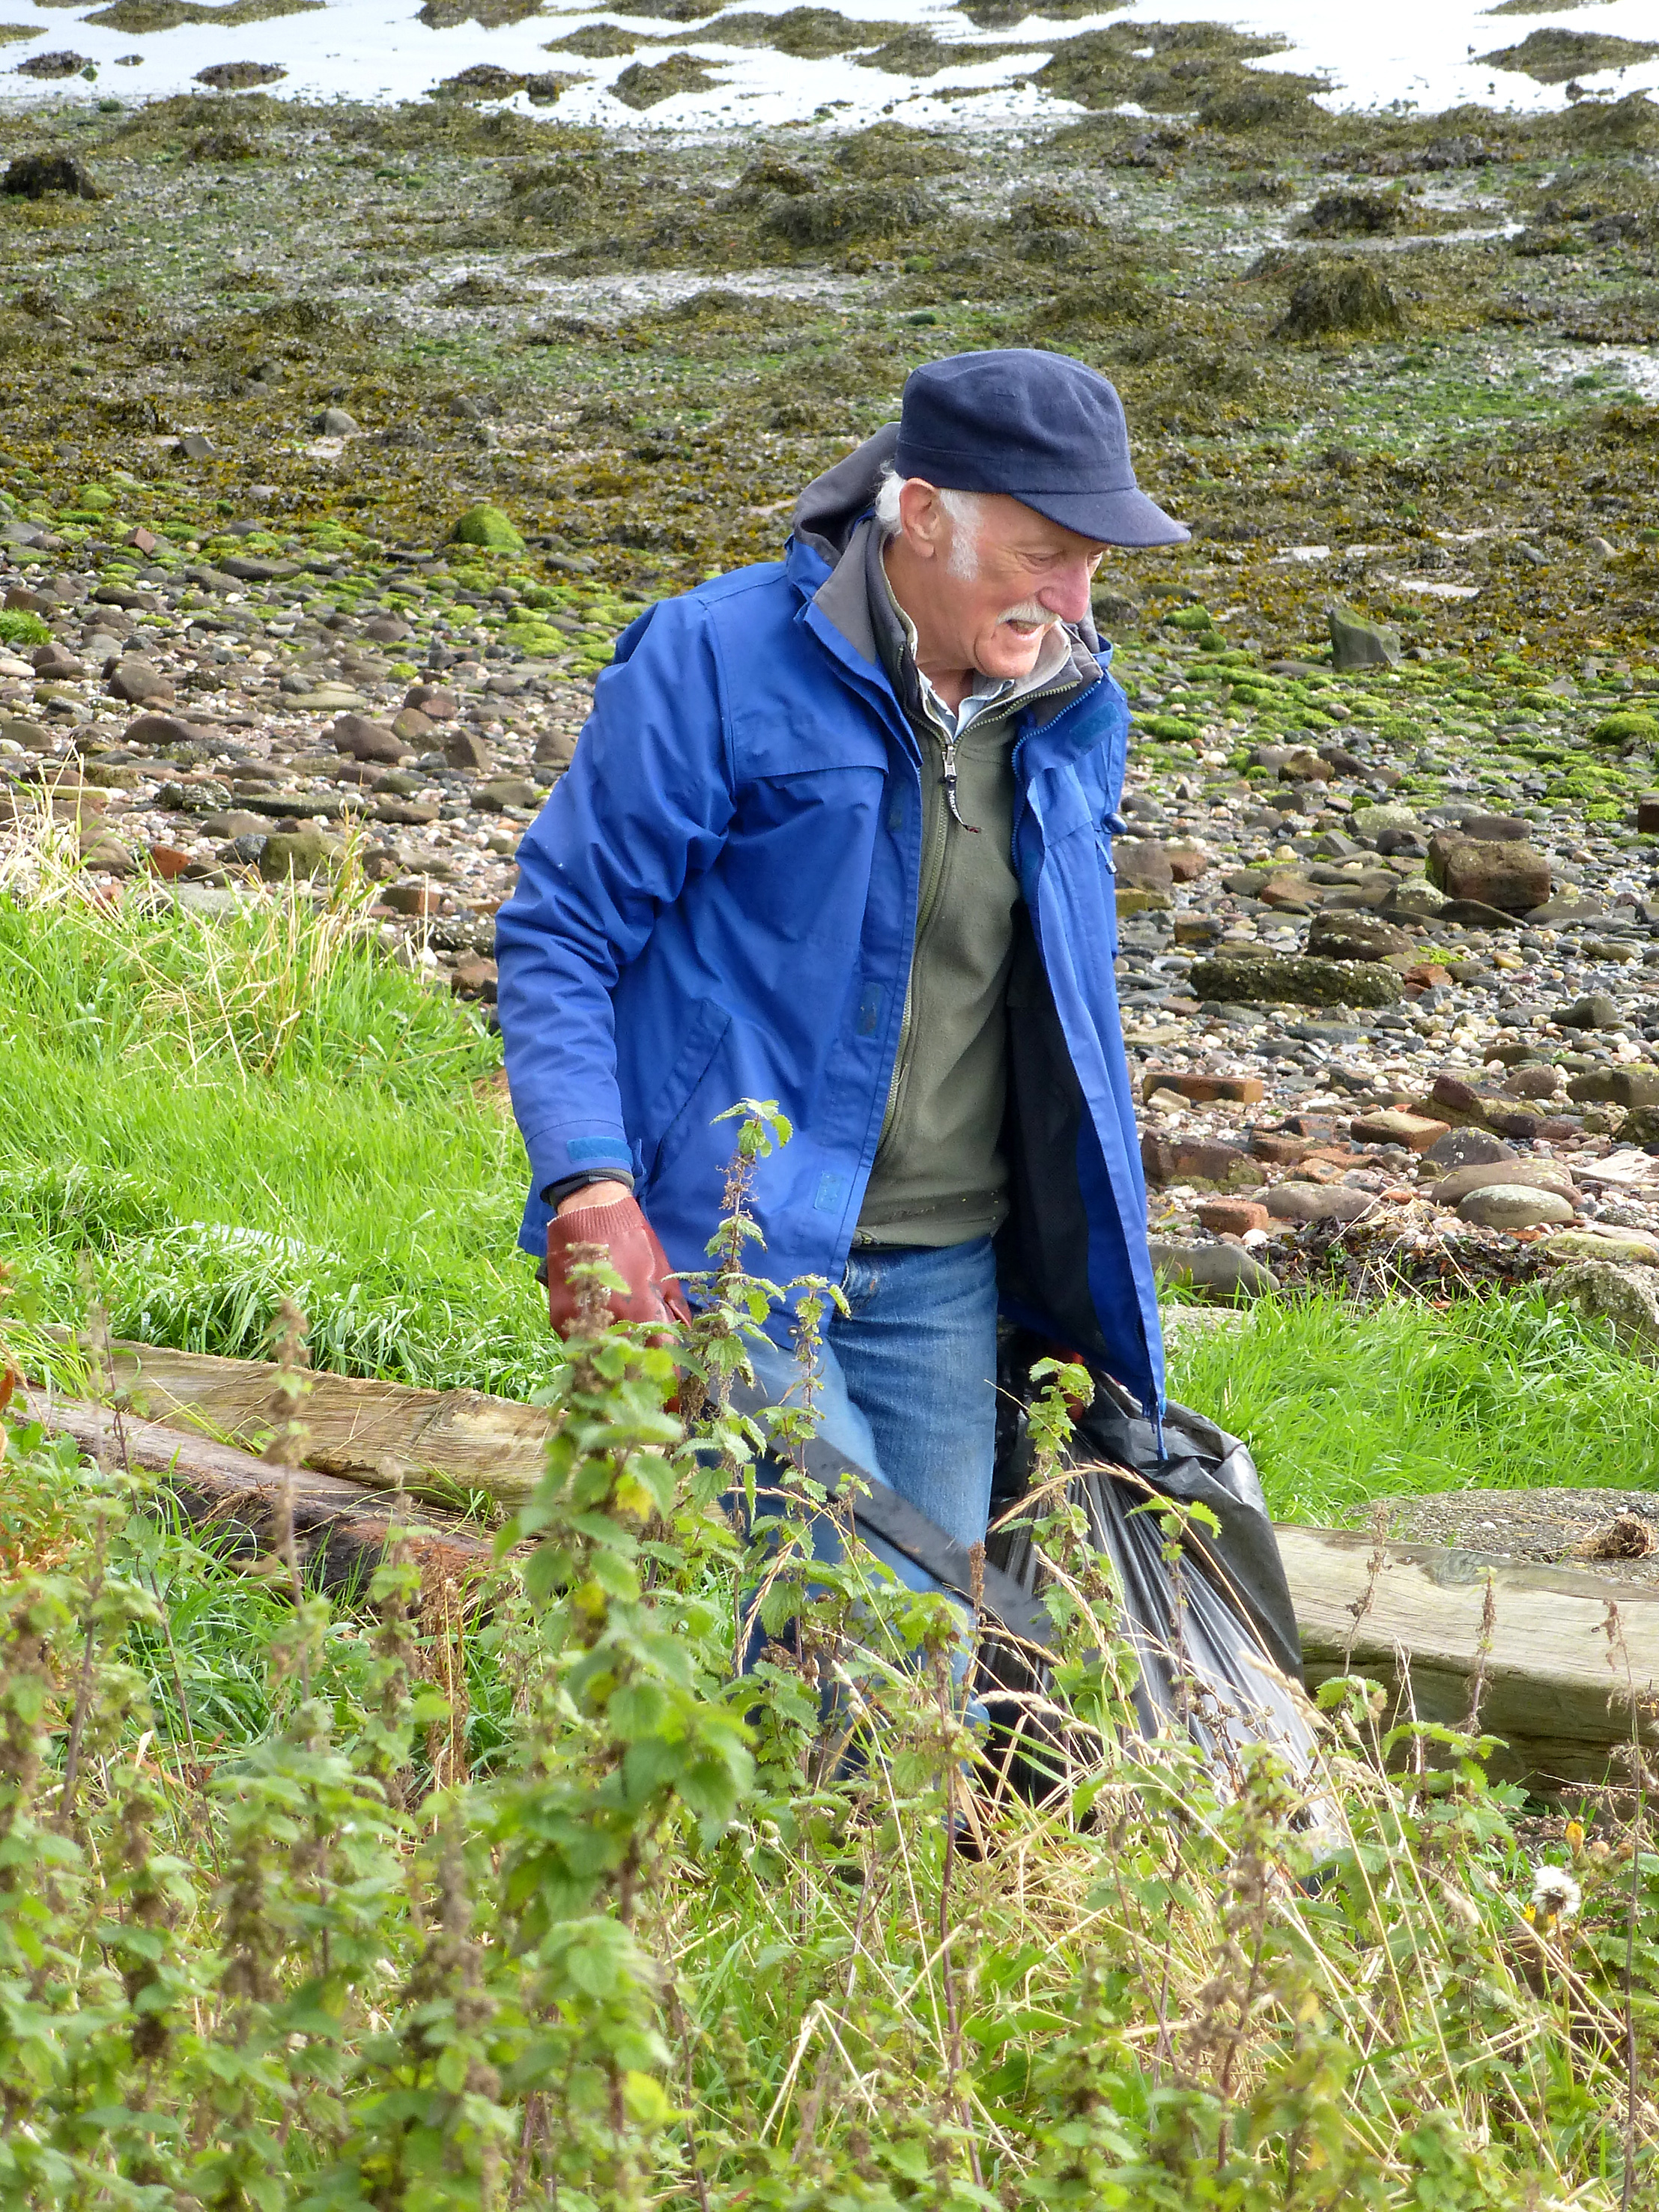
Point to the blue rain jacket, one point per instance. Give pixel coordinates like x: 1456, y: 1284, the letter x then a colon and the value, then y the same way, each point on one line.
x: 718, y: 902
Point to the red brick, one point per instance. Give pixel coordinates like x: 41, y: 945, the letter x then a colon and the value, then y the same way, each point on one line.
x: 1232, y: 1217
x: 1206, y: 1089
x: 1273, y: 1145
x: 168, y: 860
x: 1175, y: 1160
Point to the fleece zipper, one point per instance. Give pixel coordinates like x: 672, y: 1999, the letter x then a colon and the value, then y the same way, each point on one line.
x: 936, y: 852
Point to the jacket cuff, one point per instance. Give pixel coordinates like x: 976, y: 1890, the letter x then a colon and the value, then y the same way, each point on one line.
x: 555, y: 1194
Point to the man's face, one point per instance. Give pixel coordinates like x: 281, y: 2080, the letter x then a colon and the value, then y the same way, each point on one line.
x: 1001, y: 576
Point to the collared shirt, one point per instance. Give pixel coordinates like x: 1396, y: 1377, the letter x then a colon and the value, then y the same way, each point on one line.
x: 985, y: 691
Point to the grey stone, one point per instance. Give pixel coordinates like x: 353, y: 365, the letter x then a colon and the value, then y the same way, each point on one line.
x: 1318, y: 1201
x: 1536, y: 1175
x: 306, y: 851
x: 335, y: 422
x: 493, y: 798
x: 1495, y: 829
x: 1466, y: 1148
x: 1373, y: 820
x: 1220, y: 1271
x: 1616, y: 1086
x: 1349, y: 936
x: 362, y: 739
x: 467, y: 751
x: 1628, y: 1297
x: 1595, y: 1012
x: 1508, y: 874
x: 1357, y: 643
x: 1513, y: 1206
x: 1539, y: 1082
x: 1142, y: 864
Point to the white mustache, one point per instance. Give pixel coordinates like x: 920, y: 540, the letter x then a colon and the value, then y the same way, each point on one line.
x: 1029, y: 611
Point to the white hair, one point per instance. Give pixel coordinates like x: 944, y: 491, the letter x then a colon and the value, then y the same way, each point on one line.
x: 961, y: 507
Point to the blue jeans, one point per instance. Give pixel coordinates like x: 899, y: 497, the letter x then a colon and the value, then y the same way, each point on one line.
x: 906, y: 1385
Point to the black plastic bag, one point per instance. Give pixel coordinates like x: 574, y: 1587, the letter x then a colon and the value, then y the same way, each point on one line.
x: 1206, y: 1610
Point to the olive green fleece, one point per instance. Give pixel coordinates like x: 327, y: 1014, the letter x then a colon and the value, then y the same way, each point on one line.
x: 939, y: 1176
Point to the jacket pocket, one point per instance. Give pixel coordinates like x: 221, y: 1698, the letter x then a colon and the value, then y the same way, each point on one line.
x: 667, y: 1122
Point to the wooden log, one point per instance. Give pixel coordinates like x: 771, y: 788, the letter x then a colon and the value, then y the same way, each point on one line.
x: 1557, y: 1686
x: 1550, y: 1690
x: 340, y: 1528
x: 431, y: 1443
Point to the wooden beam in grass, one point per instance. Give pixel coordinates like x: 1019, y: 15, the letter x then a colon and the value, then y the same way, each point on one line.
x: 432, y: 1444
x: 1557, y: 1680
x: 341, y: 1528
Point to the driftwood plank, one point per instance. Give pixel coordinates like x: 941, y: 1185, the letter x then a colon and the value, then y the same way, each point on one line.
x: 340, y: 1528
x: 383, y: 1434
x: 1557, y: 1686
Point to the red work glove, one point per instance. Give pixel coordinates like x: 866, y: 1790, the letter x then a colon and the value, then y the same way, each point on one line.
x: 632, y: 1248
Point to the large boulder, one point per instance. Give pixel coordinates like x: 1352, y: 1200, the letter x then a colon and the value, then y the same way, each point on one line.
x: 1142, y: 864
x: 1357, y: 643
x: 1505, y: 873
x: 1627, y: 1296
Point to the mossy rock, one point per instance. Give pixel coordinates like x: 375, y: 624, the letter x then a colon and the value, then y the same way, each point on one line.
x: 1336, y: 297
x: 643, y: 85
x: 1551, y: 57
x: 488, y: 526
x: 1273, y: 979
x: 1626, y: 727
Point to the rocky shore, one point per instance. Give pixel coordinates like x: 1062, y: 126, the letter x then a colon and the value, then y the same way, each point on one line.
x: 344, y: 442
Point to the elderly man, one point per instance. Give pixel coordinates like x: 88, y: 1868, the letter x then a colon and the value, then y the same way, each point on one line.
x: 839, y: 834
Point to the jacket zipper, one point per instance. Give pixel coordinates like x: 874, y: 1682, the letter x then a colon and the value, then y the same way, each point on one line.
x: 932, y: 879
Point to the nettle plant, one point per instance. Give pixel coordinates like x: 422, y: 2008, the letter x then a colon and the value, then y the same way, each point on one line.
x: 683, y: 1934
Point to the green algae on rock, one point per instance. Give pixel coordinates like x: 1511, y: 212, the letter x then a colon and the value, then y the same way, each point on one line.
x: 487, y: 526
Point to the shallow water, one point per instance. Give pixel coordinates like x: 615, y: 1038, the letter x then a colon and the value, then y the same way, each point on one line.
x: 1420, y: 53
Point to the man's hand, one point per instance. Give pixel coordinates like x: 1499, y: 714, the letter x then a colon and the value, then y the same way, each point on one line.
x: 606, y: 1214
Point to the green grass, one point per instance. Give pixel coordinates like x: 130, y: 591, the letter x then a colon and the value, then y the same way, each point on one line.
x: 1341, y: 1405
x: 223, y: 1112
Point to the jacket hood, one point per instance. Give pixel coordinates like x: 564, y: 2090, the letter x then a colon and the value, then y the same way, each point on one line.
x: 827, y: 511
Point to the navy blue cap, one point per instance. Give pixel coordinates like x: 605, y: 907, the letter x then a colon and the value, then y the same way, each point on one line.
x: 1042, y: 428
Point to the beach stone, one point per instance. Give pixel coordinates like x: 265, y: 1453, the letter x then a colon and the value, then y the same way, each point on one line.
x: 21, y: 731
x: 436, y: 701
x: 335, y: 422
x: 504, y: 791
x: 1641, y: 1126
x: 1615, y: 1086
x: 1187, y: 863
x: 1374, y: 821
x: 362, y: 739
x: 414, y: 727
x: 386, y: 629
x: 1540, y: 1082
x: 235, y: 823
x: 139, y: 682
x: 1509, y: 875
x: 488, y: 526
x: 1142, y: 864
x: 307, y: 850
x: 474, y: 977
x: 1627, y: 1248
x: 107, y: 855
x: 1536, y: 1175
x: 1596, y: 1010
x: 1357, y: 643
x: 1466, y: 1148
x: 1131, y: 902
x: 1513, y: 1206
x: 1318, y: 1201
x: 467, y: 751
x: 1289, y: 893
x: 1356, y: 937
x: 55, y: 664
x: 1394, y: 1126
x: 1599, y: 1290
x: 1271, y: 977
x: 1220, y: 1271
x: 1495, y: 829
